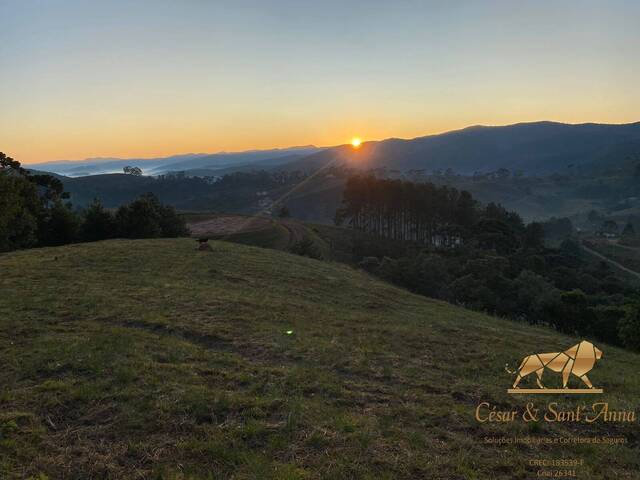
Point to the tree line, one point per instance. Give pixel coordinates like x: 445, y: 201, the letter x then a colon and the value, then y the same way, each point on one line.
x: 400, y: 210
x: 492, y: 262
x: 429, y: 214
x: 35, y: 212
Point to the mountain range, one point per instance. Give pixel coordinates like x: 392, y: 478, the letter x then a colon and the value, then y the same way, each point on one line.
x: 161, y: 165
x: 531, y: 148
x: 536, y: 148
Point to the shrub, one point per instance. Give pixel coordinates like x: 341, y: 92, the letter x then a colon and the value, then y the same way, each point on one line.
x: 19, y: 205
x: 534, y: 296
x: 98, y: 224
x: 629, y: 328
x: 60, y: 225
x: 171, y: 224
x: 283, y: 212
x: 306, y: 248
x: 606, y: 324
x: 146, y: 217
x: 369, y: 263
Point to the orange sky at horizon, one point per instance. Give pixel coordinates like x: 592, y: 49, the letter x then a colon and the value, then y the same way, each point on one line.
x: 147, y: 145
x: 153, y: 79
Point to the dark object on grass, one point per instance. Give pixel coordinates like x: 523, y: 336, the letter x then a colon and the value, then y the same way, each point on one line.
x: 203, y: 245
x: 306, y: 248
x: 369, y: 263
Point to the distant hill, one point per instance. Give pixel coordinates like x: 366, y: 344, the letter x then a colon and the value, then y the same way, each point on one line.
x: 240, y: 159
x: 251, y: 363
x: 240, y: 166
x: 536, y: 148
x: 156, y: 166
x: 533, y: 148
x: 600, y: 165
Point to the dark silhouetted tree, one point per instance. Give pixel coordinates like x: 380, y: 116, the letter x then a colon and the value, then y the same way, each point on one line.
x: 306, y: 248
x: 31, y: 208
x: 98, y: 223
x: 60, y: 225
x: 137, y: 171
x: 283, y: 212
x: 628, y: 230
x: 629, y: 328
x: 146, y: 217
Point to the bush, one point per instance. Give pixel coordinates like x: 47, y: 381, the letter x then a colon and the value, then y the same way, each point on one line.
x: 171, y: 224
x: 283, y: 212
x: 19, y: 205
x: 99, y: 224
x: 60, y: 226
x: 432, y: 273
x: 306, y: 248
x: 146, y: 217
x: 606, y: 324
x: 140, y: 218
x: 573, y: 315
x: 534, y: 297
x: 629, y: 328
x: 31, y: 209
x: 369, y: 264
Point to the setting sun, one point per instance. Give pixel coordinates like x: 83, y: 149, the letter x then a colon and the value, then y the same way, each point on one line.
x: 356, y: 142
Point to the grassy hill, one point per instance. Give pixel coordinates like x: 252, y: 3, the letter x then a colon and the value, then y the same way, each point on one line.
x: 149, y: 359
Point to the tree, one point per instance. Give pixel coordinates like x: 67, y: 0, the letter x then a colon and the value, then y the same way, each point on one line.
x: 31, y: 208
x: 306, y: 248
x: 628, y: 230
x: 629, y: 328
x: 172, y: 225
x: 60, y: 225
x: 558, y: 228
x: 136, y: 171
x: 573, y: 315
x: 400, y: 210
x: 146, y: 217
x: 465, y: 210
x: 606, y: 326
x: 19, y: 207
x: 283, y: 212
x: 535, y: 296
x: 98, y: 223
x: 140, y: 218
x: 594, y: 217
x: 534, y: 236
x: 502, y: 174
x: 495, y: 234
x: 609, y: 227
x: 570, y: 248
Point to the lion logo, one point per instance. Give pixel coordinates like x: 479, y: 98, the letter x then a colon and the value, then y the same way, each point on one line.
x: 577, y: 360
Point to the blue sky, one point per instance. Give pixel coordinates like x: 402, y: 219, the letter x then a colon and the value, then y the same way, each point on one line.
x: 143, y: 78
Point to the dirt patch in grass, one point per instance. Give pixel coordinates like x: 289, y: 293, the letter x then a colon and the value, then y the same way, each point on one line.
x: 222, y: 225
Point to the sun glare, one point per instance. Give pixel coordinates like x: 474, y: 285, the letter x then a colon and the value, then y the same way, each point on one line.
x: 355, y: 142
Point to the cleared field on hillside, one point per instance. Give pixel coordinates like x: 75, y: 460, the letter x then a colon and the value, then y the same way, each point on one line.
x: 149, y: 359
x: 280, y: 233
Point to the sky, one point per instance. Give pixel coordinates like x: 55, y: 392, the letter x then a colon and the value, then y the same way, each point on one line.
x: 144, y: 78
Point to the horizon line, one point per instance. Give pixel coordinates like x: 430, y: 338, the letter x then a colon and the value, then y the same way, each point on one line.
x: 250, y: 150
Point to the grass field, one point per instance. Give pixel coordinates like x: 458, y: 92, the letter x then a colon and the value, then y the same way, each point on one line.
x: 149, y: 359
